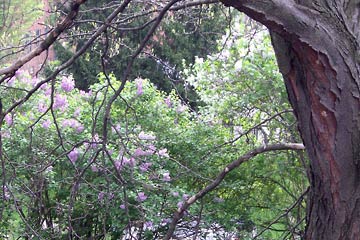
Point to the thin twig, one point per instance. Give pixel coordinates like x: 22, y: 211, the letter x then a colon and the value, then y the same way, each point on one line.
x: 181, y: 210
x: 286, y: 212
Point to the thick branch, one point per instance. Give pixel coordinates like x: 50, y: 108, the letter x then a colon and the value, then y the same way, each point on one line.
x: 293, y: 21
x: 71, y: 60
x: 48, y: 41
x: 180, y: 211
x: 193, y: 4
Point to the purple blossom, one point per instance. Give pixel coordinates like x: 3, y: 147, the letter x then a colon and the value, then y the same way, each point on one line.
x: 132, y: 162
x: 5, y: 134
x: 180, y: 204
x: 67, y: 84
x: 44, y: 86
x: 60, y: 101
x: 11, y: 81
x: 47, y: 91
x: 139, y: 152
x: 168, y: 102
x: 139, y: 86
x: 128, y: 161
x: 166, y: 177
x: 175, y: 194
x: 94, y: 168
x: 122, y: 206
x: 101, y: 195
x: 42, y: 107
x: 111, y: 196
x: 181, y: 108
x: 148, y: 225
x: 144, y: 136
x: 125, y: 161
x: 33, y: 81
x: 185, y: 197
x: 118, y: 165
x: 116, y: 128
x: 165, y: 221
x: 141, y: 197
x: 73, y: 123
x: 86, y: 95
x: 73, y: 155
x: 9, y: 119
x: 69, y: 123
x: 18, y: 73
x: 80, y: 128
x: 77, y: 112
x: 94, y: 141
x: 163, y: 153
x: 145, y: 166
x: 151, y: 147
x: 27, y: 79
x: 46, y: 124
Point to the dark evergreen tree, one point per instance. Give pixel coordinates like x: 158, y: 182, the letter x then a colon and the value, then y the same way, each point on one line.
x: 187, y: 33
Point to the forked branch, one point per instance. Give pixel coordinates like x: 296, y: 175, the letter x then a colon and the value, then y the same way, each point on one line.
x: 216, y: 182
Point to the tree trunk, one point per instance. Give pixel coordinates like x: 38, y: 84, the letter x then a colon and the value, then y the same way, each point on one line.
x: 317, y: 47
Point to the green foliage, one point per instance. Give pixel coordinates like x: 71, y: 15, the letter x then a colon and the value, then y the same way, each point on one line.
x: 71, y: 172
x: 182, y: 36
x: 241, y: 87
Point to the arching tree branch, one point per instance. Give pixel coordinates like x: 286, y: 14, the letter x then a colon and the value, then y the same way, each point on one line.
x: 71, y: 60
x: 180, y: 211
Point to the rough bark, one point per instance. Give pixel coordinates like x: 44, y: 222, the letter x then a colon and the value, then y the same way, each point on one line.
x: 317, y: 48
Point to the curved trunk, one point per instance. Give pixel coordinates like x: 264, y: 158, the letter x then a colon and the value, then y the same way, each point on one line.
x: 317, y: 48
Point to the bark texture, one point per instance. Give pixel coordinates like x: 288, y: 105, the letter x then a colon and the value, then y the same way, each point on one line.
x: 317, y: 47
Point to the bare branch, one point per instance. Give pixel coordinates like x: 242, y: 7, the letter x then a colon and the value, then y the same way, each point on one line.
x: 180, y: 211
x: 296, y: 22
x: 193, y: 4
x: 51, y: 38
x: 286, y: 212
x: 70, y: 61
x: 130, y: 65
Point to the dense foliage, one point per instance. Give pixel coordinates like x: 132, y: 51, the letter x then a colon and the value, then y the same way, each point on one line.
x: 182, y: 36
x: 62, y: 181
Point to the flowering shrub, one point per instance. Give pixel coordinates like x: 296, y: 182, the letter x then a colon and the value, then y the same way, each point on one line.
x: 127, y: 179
x: 76, y: 166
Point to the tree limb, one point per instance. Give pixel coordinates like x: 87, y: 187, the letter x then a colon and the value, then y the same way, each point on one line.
x: 292, y: 20
x: 48, y: 41
x: 231, y: 166
x: 71, y: 60
x: 130, y: 65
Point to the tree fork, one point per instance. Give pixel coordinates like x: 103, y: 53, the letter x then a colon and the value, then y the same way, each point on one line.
x: 317, y: 48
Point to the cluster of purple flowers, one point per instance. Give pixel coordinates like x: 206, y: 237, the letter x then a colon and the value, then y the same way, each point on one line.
x: 139, y: 86
x: 60, y: 102
x: 74, y: 124
x: 67, y: 83
x: 124, y: 161
x: 73, y: 155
